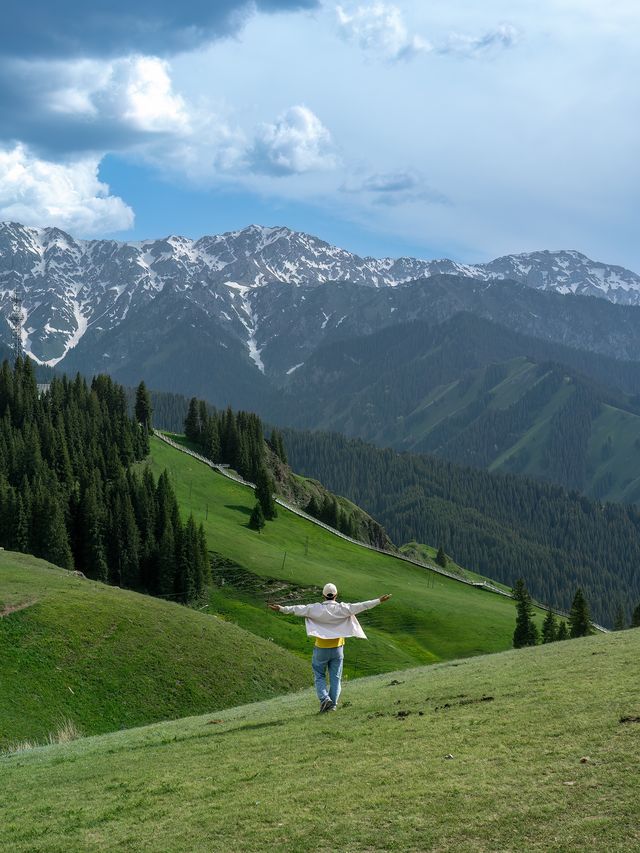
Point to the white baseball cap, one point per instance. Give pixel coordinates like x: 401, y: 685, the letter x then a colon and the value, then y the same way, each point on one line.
x: 329, y: 589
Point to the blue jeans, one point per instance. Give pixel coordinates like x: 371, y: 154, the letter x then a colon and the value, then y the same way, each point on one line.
x: 332, y: 660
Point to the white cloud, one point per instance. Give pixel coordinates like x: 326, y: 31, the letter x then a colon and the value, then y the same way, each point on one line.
x: 296, y: 142
x: 69, y: 195
x: 89, y: 104
x: 380, y: 29
x: 502, y: 37
x: 139, y: 93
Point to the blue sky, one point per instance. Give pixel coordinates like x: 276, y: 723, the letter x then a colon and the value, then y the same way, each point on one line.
x: 435, y: 129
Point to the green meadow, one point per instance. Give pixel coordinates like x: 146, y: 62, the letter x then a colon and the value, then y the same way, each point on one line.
x: 535, y: 749
x: 430, y: 618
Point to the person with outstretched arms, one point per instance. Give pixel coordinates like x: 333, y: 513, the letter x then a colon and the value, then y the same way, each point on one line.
x: 330, y: 621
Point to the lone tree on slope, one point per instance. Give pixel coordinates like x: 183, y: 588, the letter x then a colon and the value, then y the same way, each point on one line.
x: 441, y: 558
x: 264, y: 493
x: 635, y: 617
x: 549, y: 628
x: 579, y: 619
x: 143, y: 408
x: 257, y: 522
x: 526, y: 633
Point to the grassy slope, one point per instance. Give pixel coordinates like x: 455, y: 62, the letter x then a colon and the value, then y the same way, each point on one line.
x: 620, y: 467
x: 277, y: 776
x: 432, y: 618
x: 613, y: 477
x: 107, y: 658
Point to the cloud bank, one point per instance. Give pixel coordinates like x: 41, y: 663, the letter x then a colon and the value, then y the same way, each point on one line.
x: 69, y: 195
x: 69, y: 28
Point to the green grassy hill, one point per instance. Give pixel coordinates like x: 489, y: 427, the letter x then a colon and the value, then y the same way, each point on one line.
x: 106, y: 658
x: 530, y: 750
x: 433, y: 618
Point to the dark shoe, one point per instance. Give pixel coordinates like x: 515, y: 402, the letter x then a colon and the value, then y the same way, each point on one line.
x: 326, y: 705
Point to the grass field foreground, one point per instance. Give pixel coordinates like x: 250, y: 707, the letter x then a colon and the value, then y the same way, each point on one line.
x: 533, y: 750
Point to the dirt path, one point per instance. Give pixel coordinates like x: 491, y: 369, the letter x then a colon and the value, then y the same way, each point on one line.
x: 13, y: 608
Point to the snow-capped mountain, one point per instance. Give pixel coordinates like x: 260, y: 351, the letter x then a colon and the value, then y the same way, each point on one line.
x: 240, y: 283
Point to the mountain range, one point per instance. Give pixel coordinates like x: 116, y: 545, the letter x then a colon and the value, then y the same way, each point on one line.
x: 84, y: 290
x: 483, y: 364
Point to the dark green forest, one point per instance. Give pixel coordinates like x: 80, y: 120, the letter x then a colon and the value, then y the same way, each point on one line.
x: 71, y: 492
x: 501, y: 525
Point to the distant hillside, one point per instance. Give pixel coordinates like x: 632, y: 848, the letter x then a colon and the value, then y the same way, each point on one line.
x: 433, y: 617
x: 105, y: 658
x: 531, y: 750
x: 477, y: 393
x: 503, y: 526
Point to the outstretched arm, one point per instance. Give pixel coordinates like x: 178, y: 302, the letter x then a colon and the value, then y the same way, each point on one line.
x: 293, y: 609
x: 359, y: 606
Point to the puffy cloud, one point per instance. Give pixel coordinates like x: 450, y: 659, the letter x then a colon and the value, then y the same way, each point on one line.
x: 296, y: 142
x: 121, y: 27
x: 502, y: 37
x: 394, y: 188
x: 69, y: 195
x: 381, y: 30
x: 89, y: 104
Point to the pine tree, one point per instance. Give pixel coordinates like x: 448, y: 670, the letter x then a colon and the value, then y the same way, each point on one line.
x: 579, y: 620
x: 92, y: 555
x: 192, y: 421
x: 526, y: 633
x: 312, y: 507
x: 211, y: 440
x: 635, y: 617
x: 55, y: 540
x: 441, y: 558
x: 549, y: 628
x: 563, y: 631
x: 264, y: 493
x: 21, y: 538
x: 203, y: 574
x: 256, y: 521
x: 619, y: 623
x: 143, y: 408
x: 166, y: 561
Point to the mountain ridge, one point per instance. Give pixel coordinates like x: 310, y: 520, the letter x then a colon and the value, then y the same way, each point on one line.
x: 83, y: 288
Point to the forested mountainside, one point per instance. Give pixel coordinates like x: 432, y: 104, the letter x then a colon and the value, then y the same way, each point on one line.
x: 70, y: 491
x: 503, y: 526
x: 477, y: 393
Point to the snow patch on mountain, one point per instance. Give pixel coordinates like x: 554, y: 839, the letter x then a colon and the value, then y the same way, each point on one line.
x: 70, y: 285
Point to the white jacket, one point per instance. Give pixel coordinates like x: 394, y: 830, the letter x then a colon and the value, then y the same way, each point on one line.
x: 331, y: 620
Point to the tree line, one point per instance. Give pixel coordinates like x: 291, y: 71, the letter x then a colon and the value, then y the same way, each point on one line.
x: 71, y: 492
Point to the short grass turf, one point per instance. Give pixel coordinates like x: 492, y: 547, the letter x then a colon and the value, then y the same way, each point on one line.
x: 107, y: 658
x: 430, y: 617
x: 482, y: 754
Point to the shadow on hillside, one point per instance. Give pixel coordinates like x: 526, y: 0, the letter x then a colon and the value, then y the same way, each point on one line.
x: 243, y: 509
x: 257, y: 726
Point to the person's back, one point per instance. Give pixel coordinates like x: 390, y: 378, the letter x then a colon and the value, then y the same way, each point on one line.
x: 329, y: 622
